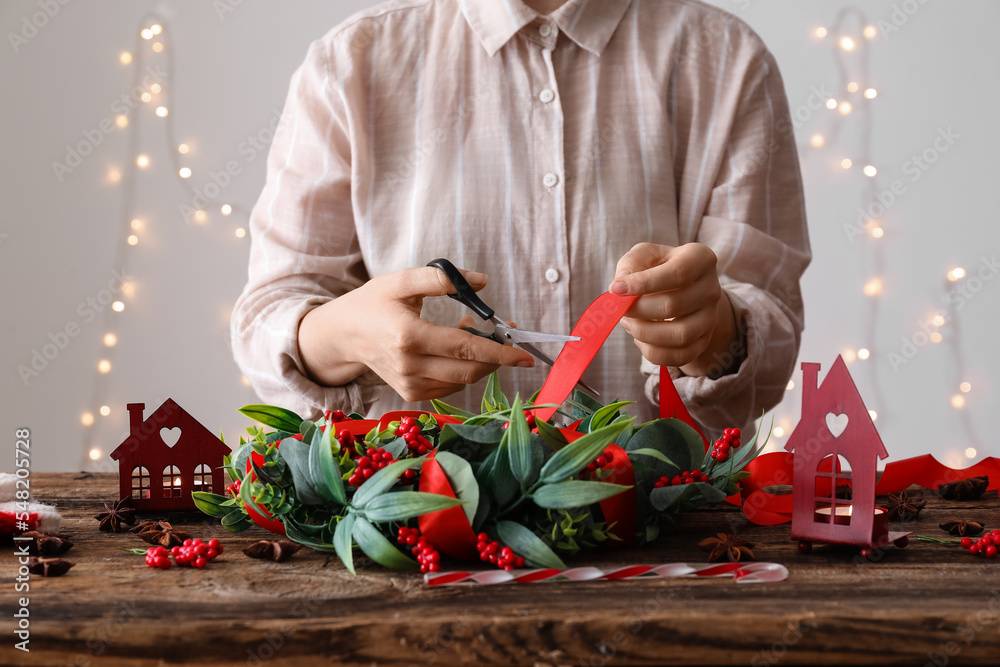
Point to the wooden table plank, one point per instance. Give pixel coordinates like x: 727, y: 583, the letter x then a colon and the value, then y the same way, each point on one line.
x: 926, y: 604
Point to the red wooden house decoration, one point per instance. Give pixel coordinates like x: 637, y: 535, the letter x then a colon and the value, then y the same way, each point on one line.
x: 836, y: 432
x: 166, y: 457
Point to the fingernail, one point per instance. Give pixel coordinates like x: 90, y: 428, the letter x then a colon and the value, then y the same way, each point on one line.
x: 475, y: 277
x: 619, y: 287
x: 527, y: 363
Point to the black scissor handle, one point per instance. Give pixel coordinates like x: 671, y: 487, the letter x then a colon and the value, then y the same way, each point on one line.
x: 464, y: 292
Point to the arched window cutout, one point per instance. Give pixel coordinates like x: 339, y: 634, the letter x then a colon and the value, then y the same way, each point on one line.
x: 203, y: 477
x: 140, y: 483
x: 171, y: 482
x: 831, y: 473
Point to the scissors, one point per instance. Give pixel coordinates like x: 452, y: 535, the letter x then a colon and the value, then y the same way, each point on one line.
x: 502, y: 333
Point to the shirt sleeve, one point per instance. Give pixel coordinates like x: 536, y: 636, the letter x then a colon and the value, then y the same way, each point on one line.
x: 304, y: 249
x: 754, y: 220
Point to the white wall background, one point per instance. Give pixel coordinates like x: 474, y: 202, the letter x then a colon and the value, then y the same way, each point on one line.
x: 60, y: 242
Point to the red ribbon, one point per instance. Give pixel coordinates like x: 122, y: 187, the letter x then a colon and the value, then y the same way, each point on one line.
x: 671, y: 404
x: 619, y: 510
x: 448, y: 530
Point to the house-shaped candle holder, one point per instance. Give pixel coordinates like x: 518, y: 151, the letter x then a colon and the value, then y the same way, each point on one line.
x: 167, y: 456
x: 836, y: 432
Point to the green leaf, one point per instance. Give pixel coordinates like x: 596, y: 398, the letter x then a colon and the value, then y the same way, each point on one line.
x: 211, y: 504
x: 575, y: 456
x: 606, y: 414
x: 463, y: 481
x: 583, y: 404
x: 471, y: 442
x: 525, y: 543
x: 342, y: 541
x: 377, y: 547
x: 295, y: 533
x: 665, y: 497
x: 519, y: 444
x: 552, y: 436
x: 247, y: 498
x: 295, y: 453
x: 236, y: 521
x: 381, y: 481
x: 493, y: 397
x: 268, y: 474
x: 238, y: 467
x: 655, y: 453
x: 273, y: 416
x: 396, y: 447
x: 502, y: 483
x: 482, y: 511
x: 680, y: 443
x: 324, y: 473
x: 443, y: 408
x: 403, y: 505
x: 307, y: 428
x: 710, y: 493
x: 564, y: 495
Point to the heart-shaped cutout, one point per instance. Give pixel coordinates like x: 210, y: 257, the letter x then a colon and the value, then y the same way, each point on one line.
x: 836, y: 423
x: 170, y: 436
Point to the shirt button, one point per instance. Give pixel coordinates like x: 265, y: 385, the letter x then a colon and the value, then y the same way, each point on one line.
x: 552, y: 276
x: 545, y: 30
x: 550, y: 180
x: 547, y: 96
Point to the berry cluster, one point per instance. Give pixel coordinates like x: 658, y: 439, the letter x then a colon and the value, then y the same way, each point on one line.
x: 603, y: 460
x: 427, y: 555
x: 984, y: 546
x: 336, y: 416
x: 192, y: 553
x: 686, y: 477
x: 233, y: 489
x: 492, y: 552
x: 347, y: 441
x: 409, y: 429
x: 729, y: 441
x: 529, y: 417
x: 373, y: 461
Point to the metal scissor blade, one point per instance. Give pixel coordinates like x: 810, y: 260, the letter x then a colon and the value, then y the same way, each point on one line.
x: 544, y: 358
x: 519, y: 336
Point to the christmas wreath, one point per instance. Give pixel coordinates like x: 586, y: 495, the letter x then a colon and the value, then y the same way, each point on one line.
x: 506, y: 486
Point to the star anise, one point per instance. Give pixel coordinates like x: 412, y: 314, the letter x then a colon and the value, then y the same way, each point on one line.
x: 118, y: 513
x: 962, y: 528
x: 733, y: 547
x: 163, y: 534
x: 277, y: 550
x: 965, y: 489
x: 47, y: 544
x: 49, y: 567
x: 904, y: 507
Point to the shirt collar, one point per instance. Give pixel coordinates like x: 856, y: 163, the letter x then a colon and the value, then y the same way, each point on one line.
x: 589, y: 23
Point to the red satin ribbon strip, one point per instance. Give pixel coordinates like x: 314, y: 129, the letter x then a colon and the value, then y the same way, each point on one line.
x: 619, y: 510
x: 930, y: 473
x: 671, y: 404
x: 448, y: 530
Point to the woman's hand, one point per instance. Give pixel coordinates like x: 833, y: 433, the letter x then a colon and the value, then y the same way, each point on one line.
x: 378, y: 326
x: 682, y: 317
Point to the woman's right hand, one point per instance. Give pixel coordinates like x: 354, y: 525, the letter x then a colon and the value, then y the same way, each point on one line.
x: 378, y: 327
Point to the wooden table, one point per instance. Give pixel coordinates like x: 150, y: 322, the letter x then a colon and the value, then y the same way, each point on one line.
x: 926, y: 604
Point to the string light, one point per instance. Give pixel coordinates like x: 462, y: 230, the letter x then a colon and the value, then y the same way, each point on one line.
x: 938, y: 320
x: 240, y: 232
x: 871, y: 93
x: 158, y: 46
x: 104, y: 366
x: 870, y: 32
x: 873, y: 415
x: 965, y: 387
x: 958, y: 401
x: 184, y: 172
x: 114, y: 175
x: 162, y: 112
x: 873, y: 287
x: 133, y: 240
x: 847, y: 44
x: 87, y: 419
x: 121, y: 120
x: 95, y: 454
x: 846, y: 163
x: 852, y: 87
x: 936, y: 337
x: 790, y: 385
x: 118, y: 306
x: 870, y: 171
x: 146, y: 33
x: 849, y: 355
x: 156, y: 28
x: 128, y: 288
x: 864, y: 353
x: 820, y: 32
x: 831, y: 103
x: 878, y: 232
x: 817, y: 141
x: 226, y: 209
x: 125, y: 58
x: 245, y: 380
x: 105, y: 410
x: 146, y: 97
x: 155, y: 88
x: 956, y: 274
x: 136, y: 224
x: 142, y: 161
x: 845, y: 108
x: 183, y: 149
x: 970, y: 452
x: 778, y: 432
x: 200, y: 215
x: 110, y: 340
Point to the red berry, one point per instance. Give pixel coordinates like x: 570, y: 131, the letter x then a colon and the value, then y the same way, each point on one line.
x: 966, y: 542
